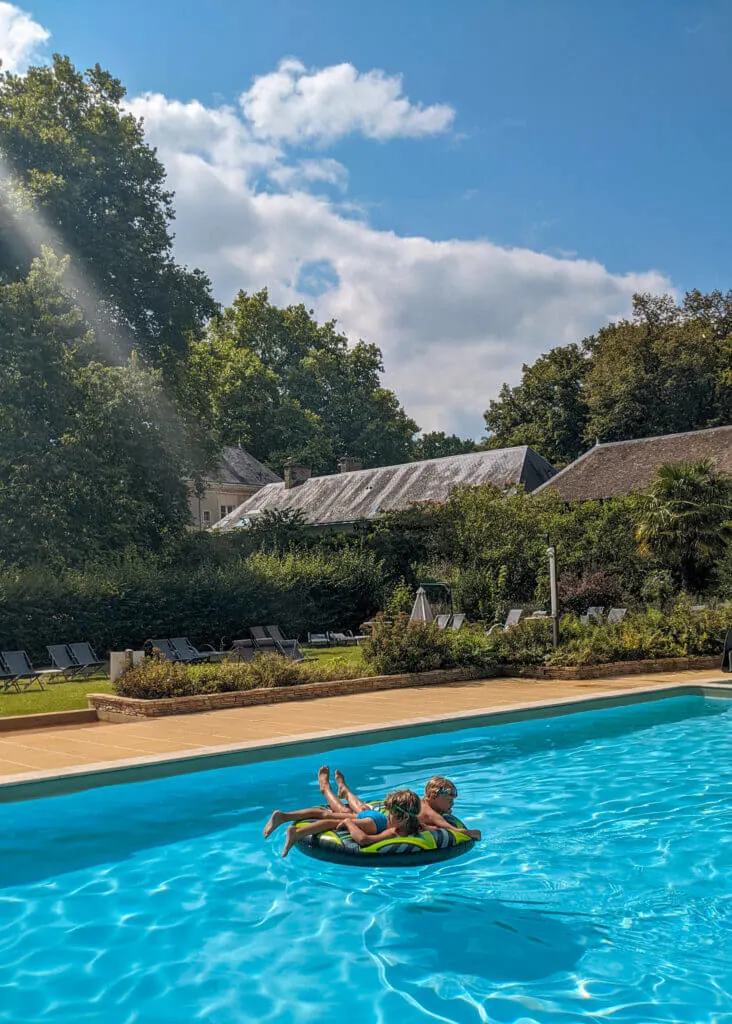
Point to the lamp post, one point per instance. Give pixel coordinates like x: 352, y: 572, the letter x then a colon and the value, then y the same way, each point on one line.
x: 551, y: 552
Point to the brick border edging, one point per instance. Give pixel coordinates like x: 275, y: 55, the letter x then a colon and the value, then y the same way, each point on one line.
x: 110, y: 708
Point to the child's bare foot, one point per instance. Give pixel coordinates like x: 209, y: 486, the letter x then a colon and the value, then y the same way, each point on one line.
x: 290, y: 841
x: 324, y: 777
x: 274, y: 822
x: 342, y: 787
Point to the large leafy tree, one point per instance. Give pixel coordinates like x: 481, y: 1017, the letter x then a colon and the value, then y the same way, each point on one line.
x: 685, y: 520
x: 660, y: 373
x: 84, y: 181
x: 547, y: 410
x: 666, y: 369
x: 289, y: 388
x: 90, y: 460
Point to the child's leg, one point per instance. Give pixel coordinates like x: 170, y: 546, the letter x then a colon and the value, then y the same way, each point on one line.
x: 294, y: 833
x: 306, y: 814
x: 331, y: 799
x: 354, y: 802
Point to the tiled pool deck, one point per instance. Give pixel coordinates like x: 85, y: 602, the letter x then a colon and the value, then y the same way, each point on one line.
x: 52, y: 752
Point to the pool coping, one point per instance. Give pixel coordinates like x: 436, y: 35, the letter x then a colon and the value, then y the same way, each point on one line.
x: 39, y: 784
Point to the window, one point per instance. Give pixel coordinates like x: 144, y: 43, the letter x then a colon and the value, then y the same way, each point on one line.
x: 206, y: 517
x: 225, y: 509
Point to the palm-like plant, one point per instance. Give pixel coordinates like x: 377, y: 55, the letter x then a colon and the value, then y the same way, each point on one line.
x: 685, y: 520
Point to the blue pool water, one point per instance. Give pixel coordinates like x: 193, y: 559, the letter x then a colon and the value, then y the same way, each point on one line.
x: 600, y: 892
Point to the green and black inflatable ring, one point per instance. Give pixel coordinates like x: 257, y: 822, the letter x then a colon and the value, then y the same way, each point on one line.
x: 427, y: 847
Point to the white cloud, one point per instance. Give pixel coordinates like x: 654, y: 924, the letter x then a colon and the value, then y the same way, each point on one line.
x: 454, y: 318
x: 307, y: 172
x: 295, y: 105
x: 21, y: 38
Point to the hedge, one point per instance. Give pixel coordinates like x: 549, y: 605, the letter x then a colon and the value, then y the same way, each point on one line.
x: 134, y: 600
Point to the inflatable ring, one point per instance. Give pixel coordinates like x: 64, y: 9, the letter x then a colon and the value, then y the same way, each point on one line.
x: 426, y: 847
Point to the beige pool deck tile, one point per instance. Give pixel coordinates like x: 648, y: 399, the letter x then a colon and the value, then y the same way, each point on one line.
x: 74, y: 746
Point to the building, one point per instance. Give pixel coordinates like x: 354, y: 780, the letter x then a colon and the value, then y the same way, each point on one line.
x: 354, y: 494
x: 620, y: 467
x: 237, y: 476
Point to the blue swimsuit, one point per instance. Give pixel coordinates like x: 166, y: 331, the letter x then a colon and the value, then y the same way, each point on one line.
x: 379, y: 819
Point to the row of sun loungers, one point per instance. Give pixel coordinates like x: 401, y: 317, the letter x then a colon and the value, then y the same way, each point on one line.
x: 335, y: 639
x: 67, y: 661
x: 594, y: 614
x: 266, y: 640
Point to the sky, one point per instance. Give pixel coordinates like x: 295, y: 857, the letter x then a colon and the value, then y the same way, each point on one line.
x: 467, y: 185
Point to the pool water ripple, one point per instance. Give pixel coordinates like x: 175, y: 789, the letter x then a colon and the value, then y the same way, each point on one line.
x: 601, y: 890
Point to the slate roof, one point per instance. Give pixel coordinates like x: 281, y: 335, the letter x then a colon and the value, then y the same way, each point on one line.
x: 237, y: 466
x: 365, y: 493
x: 620, y: 467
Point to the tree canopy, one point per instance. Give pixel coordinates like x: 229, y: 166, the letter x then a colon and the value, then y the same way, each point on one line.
x: 82, y: 165
x: 666, y: 370
x: 286, y: 387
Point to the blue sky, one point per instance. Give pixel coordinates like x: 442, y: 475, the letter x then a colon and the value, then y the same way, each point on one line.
x: 580, y: 131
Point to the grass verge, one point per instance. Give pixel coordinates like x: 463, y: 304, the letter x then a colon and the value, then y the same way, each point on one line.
x: 72, y: 695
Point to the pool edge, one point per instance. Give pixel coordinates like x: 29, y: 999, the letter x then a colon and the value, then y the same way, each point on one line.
x: 37, y: 785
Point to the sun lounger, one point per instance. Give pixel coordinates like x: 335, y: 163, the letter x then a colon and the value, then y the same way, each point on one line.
x: 346, y: 637
x: 442, y: 621
x: 24, y: 675
x: 188, y: 653
x: 62, y: 659
x: 165, y: 647
x: 245, y: 650
x: 512, y: 619
x: 7, y: 679
x: 86, y: 658
x: 592, y: 615
x: 262, y: 641
x: 318, y: 640
x: 457, y: 621
x: 289, y: 648
x: 616, y: 615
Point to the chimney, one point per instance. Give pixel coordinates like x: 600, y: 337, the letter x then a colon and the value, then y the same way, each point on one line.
x: 295, y: 475
x: 349, y: 465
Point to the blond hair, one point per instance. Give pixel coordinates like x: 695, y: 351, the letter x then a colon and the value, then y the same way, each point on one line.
x: 437, y: 784
x: 404, y: 806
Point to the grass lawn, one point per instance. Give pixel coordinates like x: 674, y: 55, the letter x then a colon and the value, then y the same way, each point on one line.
x: 351, y: 654
x: 56, y: 697
x: 72, y: 695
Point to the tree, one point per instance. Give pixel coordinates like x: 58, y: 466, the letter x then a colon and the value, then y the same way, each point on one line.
x: 289, y: 388
x: 685, y: 520
x: 665, y: 370
x: 547, y: 410
x: 436, y: 444
x: 97, y: 190
x: 658, y: 374
x: 91, y: 459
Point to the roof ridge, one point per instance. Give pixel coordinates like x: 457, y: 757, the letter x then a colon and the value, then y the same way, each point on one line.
x: 661, y: 437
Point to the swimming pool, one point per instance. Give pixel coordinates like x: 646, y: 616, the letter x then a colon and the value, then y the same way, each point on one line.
x: 601, y: 889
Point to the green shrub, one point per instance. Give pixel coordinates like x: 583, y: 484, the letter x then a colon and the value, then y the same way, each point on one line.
x: 156, y: 678
x: 679, y: 633
x: 399, y: 646
x: 528, y: 643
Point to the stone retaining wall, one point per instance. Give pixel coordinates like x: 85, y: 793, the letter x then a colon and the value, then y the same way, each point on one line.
x: 613, y: 668
x: 111, y: 708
